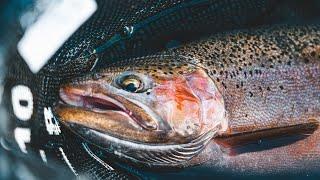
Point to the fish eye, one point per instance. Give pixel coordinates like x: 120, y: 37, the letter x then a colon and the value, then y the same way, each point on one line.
x: 131, y: 83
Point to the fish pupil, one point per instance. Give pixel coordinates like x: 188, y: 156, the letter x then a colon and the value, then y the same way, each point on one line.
x: 131, y: 87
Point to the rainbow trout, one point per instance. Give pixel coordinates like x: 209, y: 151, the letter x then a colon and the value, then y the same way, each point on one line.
x: 207, y: 101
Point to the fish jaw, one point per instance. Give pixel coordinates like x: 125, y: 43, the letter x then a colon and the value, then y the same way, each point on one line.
x: 178, y: 109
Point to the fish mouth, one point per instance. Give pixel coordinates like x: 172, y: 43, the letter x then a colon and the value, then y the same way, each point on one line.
x: 86, y: 105
x: 99, y: 103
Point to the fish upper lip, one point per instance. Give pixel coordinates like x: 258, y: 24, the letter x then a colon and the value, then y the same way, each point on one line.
x: 96, y: 101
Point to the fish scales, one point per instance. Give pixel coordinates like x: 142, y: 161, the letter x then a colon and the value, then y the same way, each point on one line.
x: 238, y: 83
x: 269, y: 77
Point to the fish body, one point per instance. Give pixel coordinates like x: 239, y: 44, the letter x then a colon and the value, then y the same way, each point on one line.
x: 268, y: 78
x: 264, y: 82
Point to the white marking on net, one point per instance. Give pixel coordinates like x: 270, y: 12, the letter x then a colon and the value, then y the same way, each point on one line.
x: 43, y: 38
x: 65, y: 158
x: 107, y: 166
x: 21, y: 93
x: 43, y: 155
x: 22, y: 136
x: 51, y: 122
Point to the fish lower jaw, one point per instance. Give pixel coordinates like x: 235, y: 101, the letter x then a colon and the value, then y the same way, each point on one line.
x: 164, y: 155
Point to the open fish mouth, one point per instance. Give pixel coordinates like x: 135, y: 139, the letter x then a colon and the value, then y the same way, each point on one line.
x: 96, y: 104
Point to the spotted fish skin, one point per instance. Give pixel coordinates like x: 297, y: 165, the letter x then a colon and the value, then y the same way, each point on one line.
x: 268, y: 77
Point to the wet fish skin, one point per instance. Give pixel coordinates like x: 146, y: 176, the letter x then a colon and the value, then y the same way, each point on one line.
x: 268, y: 77
x: 260, y: 74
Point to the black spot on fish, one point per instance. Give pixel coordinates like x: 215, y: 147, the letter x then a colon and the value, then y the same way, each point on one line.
x: 224, y: 85
x: 281, y: 87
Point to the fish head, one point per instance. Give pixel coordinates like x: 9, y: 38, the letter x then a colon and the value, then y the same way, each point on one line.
x: 162, y: 100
